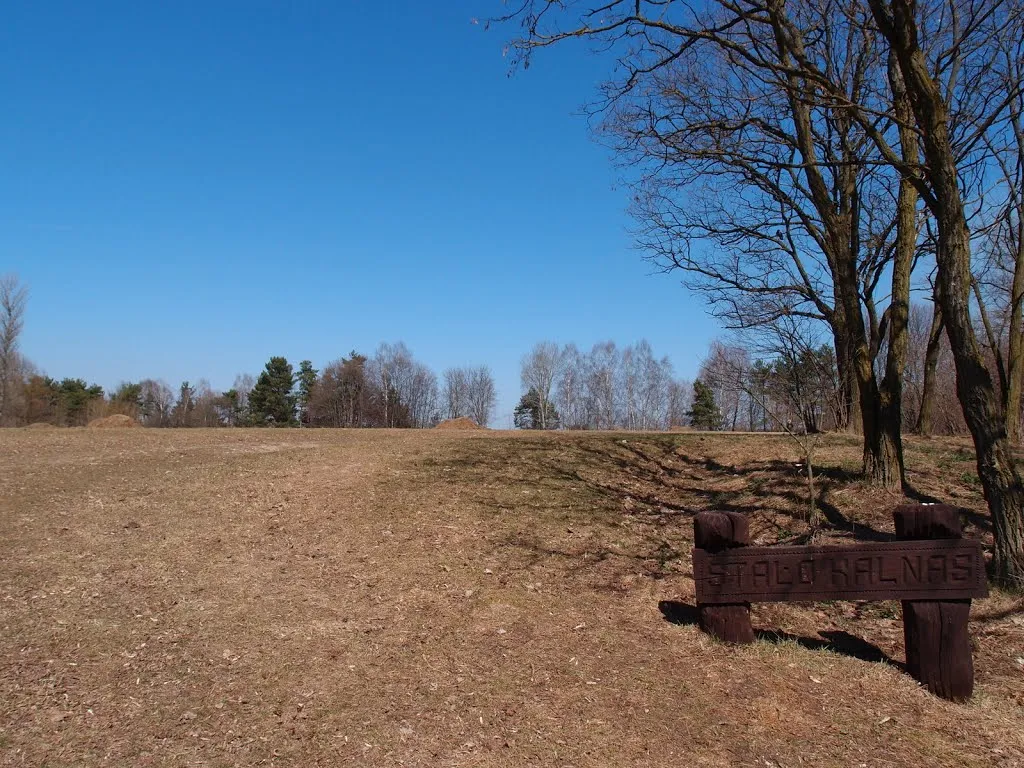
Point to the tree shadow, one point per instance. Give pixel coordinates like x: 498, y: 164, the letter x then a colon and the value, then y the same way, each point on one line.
x: 662, y: 482
x: 670, y: 473
x: 836, y: 641
x: 651, y: 561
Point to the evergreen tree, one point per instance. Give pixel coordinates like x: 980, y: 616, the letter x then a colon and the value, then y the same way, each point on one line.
x: 228, y: 408
x: 128, y: 394
x: 271, y: 401
x: 74, y: 396
x: 181, y: 416
x: 527, y: 414
x: 306, y: 379
x: 704, y: 413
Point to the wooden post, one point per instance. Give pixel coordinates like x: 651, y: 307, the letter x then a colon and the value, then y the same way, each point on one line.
x: 935, y: 634
x: 714, y: 532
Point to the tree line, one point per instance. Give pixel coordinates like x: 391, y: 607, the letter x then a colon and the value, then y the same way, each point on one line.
x: 389, y: 388
x: 606, y: 387
x: 807, y: 165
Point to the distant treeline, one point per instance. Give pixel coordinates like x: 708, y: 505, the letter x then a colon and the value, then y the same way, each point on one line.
x: 388, y: 389
x: 607, y: 387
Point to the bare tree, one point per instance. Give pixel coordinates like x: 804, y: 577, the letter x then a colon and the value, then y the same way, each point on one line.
x: 943, y: 137
x: 679, y: 398
x: 793, y: 386
x: 421, y: 396
x: 539, y: 370
x: 1004, y: 247
x: 157, y: 403
x: 570, y: 393
x: 718, y: 105
x: 205, y: 411
x: 481, y: 394
x: 13, y: 300
x: 826, y: 96
x: 601, y: 369
x: 723, y: 369
x: 455, y: 393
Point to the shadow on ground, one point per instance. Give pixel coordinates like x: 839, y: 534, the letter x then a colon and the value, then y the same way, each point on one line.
x: 835, y: 641
x: 650, y: 486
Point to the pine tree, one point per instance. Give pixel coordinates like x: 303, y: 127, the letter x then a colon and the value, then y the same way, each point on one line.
x: 527, y: 414
x: 704, y: 413
x: 306, y: 379
x: 181, y: 415
x: 271, y: 402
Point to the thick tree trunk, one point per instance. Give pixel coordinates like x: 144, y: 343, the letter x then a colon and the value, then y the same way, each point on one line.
x: 880, y: 419
x: 848, y: 394
x: 890, y: 471
x: 1015, y: 351
x: 836, y: 201
x: 931, y: 365
x: 982, y: 407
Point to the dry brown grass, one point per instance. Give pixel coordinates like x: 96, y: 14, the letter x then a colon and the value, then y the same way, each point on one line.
x: 462, y: 422
x: 115, y: 421
x: 273, y: 597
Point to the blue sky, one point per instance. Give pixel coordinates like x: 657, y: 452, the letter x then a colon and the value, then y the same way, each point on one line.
x: 190, y: 188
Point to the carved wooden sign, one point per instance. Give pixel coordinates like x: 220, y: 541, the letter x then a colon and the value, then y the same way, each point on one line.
x: 933, y: 570
x: 939, y: 569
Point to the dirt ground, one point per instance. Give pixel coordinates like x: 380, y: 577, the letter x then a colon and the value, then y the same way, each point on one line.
x: 319, y: 598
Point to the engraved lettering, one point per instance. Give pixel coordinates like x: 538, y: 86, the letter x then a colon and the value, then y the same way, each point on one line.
x: 862, y: 571
x: 806, y: 571
x: 882, y: 578
x: 760, y: 571
x: 783, y: 573
x: 716, y: 574
x: 912, y: 569
x: 840, y: 568
x: 898, y: 570
x: 963, y: 565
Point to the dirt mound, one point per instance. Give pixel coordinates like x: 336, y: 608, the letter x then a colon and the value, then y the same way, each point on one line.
x: 40, y: 425
x: 463, y: 422
x: 117, y: 421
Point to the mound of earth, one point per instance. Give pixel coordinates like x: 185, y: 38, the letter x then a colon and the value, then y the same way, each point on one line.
x: 40, y: 425
x: 463, y: 422
x: 117, y: 421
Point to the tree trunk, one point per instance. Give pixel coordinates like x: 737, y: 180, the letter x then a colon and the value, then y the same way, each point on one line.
x: 982, y: 408
x: 931, y: 365
x: 849, y: 395
x: 890, y: 471
x: 838, y: 205
x: 1015, y: 351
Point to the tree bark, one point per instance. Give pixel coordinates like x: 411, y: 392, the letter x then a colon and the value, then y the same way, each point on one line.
x: 849, y: 393
x: 982, y: 407
x: 1015, y: 351
x: 931, y: 364
x: 890, y: 471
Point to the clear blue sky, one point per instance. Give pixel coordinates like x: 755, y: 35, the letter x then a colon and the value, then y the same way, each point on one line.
x: 190, y: 188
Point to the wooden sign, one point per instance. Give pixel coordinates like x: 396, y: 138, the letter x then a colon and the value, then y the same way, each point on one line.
x: 933, y: 571
x: 938, y: 569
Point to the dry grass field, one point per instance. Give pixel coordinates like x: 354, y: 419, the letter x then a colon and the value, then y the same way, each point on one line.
x: 320, y: 598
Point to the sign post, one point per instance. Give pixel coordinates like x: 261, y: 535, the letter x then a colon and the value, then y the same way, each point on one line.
x: 932, y: 570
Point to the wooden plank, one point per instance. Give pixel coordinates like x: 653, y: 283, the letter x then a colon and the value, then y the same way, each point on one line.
x: 940, y: 569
